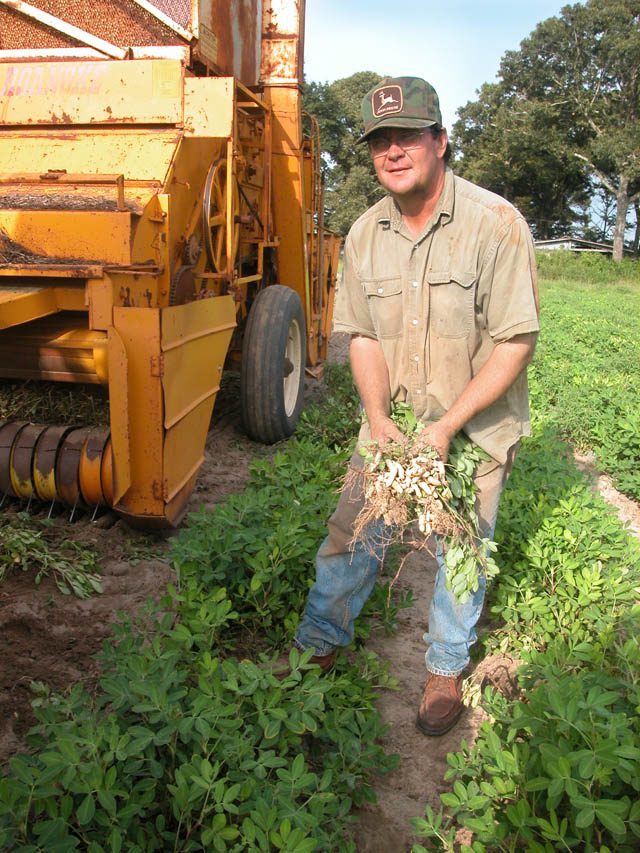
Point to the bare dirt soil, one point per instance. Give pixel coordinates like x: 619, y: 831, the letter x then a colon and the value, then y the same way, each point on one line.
x: 51, y: 638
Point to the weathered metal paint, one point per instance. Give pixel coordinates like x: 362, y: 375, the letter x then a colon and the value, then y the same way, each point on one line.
x: 90, y: 469
x: 139, y: 332
x: 68, y: 467
x: 22, y: 460
x: 282, y: 42
x: 142, y: 91
x: 9, y: 431
x: 151, y: 132
x: 86, y: 236
x: 140, y: 155
x: 44, y: 459
x: 229, y: 37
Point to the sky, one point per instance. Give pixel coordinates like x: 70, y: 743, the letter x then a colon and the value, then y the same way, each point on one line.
x: 454, y: 44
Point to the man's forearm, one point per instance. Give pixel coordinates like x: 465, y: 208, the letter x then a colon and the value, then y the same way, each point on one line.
x: 503, y: 367
x: 501, y: 370
x: 371, y: 375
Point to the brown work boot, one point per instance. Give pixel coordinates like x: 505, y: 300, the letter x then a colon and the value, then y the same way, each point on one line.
x: 282, y: 667
x: 441, y: 704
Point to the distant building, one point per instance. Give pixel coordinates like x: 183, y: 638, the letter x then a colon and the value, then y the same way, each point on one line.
x: 576, y: 244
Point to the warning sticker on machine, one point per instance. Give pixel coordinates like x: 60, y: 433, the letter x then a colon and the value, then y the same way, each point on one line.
x: 132, y: 92
x: 41, y: 79
x: 208, y: 44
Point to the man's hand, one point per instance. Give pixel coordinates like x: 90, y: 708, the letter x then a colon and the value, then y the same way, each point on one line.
x: 383, y: 430
x: 496, y: 376
x: 436, y: 435
x: 371, y: 375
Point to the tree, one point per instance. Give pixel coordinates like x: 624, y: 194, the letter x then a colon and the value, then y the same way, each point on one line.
x: 575, y: 83
x: 351, y: 185
x: 513, y: 147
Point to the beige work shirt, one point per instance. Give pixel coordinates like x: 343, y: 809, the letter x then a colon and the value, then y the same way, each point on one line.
x: 438, y: 304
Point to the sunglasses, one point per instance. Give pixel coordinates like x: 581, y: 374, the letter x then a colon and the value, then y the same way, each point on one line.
x: 405, y: 139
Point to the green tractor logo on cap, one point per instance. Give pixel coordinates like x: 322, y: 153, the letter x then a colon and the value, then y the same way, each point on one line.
x: 387, y: 99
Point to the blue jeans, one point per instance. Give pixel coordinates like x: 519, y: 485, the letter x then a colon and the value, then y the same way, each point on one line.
x: 346, y: 573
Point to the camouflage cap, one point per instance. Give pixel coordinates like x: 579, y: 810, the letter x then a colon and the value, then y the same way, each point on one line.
x: 400, y: 102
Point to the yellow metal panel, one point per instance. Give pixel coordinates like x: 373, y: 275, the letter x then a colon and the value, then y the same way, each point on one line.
x: 25, y: 271
x: 195, y: 339
x: 138, y: 155
x: 194, y: 345
x: 83, y: 234
x: 184, y: 448
x: 186, y: 181
x: 21, y: 304
x: 119, y: 414
x: 139, y: 329
x: 208, y: 106
x: 100, y: 297
x: 144, y: 91
x: 289, y: 204
x: 71, y: 298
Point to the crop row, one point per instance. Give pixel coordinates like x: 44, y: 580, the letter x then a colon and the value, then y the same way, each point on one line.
x: 191, y: 743
x: 558, y: 766
x: 585, y: 379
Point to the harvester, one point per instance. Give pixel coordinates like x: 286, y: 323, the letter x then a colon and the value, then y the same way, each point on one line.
x: 160, y: 222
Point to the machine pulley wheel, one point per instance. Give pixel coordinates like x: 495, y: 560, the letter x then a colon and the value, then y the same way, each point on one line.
x: 8, y: 434
x: 273, y: 361
x: 90, y: 469
x: 44, y: 461
x: 22, y: 458
x: 68, y: 466
x: 221, y: 253
x: 183, y: 286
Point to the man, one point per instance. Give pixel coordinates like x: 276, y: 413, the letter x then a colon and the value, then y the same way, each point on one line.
x: 439, y: 297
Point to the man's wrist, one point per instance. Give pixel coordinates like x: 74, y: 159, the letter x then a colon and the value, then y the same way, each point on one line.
x: 449, y: 426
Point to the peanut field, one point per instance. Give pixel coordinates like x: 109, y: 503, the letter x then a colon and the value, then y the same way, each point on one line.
x: 187, y: 741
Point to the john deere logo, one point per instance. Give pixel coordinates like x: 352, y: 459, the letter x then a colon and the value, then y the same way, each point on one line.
x: 388, y: 99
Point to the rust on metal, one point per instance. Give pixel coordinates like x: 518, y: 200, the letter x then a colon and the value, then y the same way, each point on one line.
x: 282, y: 43
x: 13, y: 253
x: 68, y: 466
x: 8, y: 434
x: 229, y: 38
x: 21, y: 463
x: 91, y: 466
x: 44, y: 461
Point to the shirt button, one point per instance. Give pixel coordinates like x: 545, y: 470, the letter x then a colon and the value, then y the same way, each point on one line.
x: 414, y: 284
x: 418, y: 391
x: 381, y: 290
x: 416, y: 358
x: 414, y: 322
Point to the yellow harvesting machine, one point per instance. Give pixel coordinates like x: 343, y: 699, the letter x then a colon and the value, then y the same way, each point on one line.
x: 160, y: 219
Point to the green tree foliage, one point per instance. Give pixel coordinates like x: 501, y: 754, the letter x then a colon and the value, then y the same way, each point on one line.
x: 516, y: 148
x: 351, y: 185
x: 566, y: 110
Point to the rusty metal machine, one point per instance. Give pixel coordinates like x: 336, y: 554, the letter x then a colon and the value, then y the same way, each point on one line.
x: 160, y: 219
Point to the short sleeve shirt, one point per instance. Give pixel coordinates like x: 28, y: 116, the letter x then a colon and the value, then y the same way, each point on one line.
x: 439, y: 303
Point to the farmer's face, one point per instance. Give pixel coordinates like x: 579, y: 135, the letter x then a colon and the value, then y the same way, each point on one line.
x: 409, y: 163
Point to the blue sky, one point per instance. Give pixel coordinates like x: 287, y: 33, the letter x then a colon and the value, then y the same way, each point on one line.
x: 455, y: 44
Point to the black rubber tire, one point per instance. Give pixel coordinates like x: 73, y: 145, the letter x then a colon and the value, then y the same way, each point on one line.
x: 274, y: 354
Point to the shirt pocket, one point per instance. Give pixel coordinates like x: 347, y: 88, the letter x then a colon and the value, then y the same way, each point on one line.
x: 451, y: 302
x: 384, y: 297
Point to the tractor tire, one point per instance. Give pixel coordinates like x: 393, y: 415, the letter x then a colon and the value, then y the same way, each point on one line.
x: 274, y: 354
